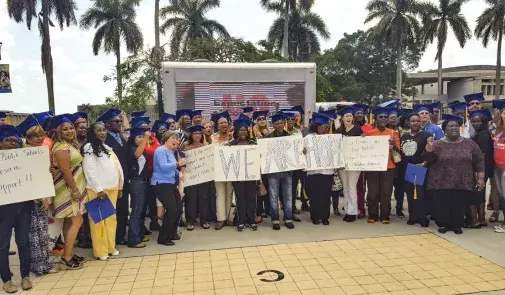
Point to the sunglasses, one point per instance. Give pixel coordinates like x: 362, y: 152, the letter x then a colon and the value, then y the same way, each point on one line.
x: 382, y: 117
x: 474, y: 103
x: 261, y: 119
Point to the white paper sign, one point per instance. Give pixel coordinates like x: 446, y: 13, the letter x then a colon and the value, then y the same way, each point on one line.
x: 199, y: 165
x: 24, y: 175
x: 369, y: 153
x: 281, y: 154
x: 237, y: 163
x: 324, y: 151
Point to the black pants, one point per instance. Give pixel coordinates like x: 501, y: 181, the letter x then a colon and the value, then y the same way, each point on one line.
x: 380, y: 188
x: 417, y: 207
x: 449, y: 207
x: 122, y: 209
x: 149, y: 209
x: 196, y: 202
x: 399, y: 190
x: 318, y: 188
x: 84, y: 235
x: 245, y: 192
x: 169, y: 196
x: 299, y: 176
x: 263, y: 202
x: 211, y: 207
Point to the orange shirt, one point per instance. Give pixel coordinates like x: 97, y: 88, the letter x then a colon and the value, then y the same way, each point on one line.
x: 388, y: 132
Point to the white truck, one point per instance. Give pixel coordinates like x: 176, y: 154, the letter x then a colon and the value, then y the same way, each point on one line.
x: 232, y: 86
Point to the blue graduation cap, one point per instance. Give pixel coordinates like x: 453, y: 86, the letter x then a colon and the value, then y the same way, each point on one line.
x: 332, y: 114
x: 474, y: 97
x: 406, y: 112
x: 320, y: 118
x: 415, y: 174
x: 137, y: 121
x: 436, y: 105
x: 3, y: 115
x: 137, y: 131
x: 166, y: 116
x: 44, y: 118
x: 225, y: 114
x: 80, y: 115
x: 138, y: 114
x: 380, y: 111
x: 481, y: 113
x: 56, y: 121
x: 359, y: 107
x: 278, y: 117
x: 8, y: 131
x: 242, y: 116
x: 157, y: 124
x: 100, y: 209
x: 450, y: 104
x: 247, y: 109
x: 499, y: 104
x: 396, y: 112
x: 196, y: 113
x: 423, y: 108
x: 456, y: 107
x: 260, y: 114
x: 289, y: 114
x: 28, y: 123
x: 448, y: 118
x: 298, y: 109
x: 242, y: 123
x: 395, y: 103
x: 347, y: 110
x: 180, y: 113
x: 108, y: 115
x: 196, y: 128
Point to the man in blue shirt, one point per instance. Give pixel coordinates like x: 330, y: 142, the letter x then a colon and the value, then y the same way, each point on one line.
x: 425, y: 112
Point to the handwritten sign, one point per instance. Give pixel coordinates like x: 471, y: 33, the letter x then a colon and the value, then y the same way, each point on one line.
x: 24, y: 175
x: 324, y: 151
x: 281, y: 154
x: 237, y: 163
x: 369, y: 153
x: 199, y: 165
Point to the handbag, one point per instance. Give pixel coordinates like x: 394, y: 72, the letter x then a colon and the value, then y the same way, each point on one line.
x: 262, y: 190
x: 397, y: 157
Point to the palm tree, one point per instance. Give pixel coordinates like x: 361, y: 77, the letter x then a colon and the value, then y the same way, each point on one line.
x: 398, y: 27
x: 490, y: 24
x: 25, y: 11
x: 157, y: 54
x: 114, y: 20
x: 305, y: 27
x: 437, y: 21
x: 188, y: 23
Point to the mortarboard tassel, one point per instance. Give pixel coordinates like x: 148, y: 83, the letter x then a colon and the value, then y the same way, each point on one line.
x: 299, y: 121
x: 415, y: 188
x: 251, y: 133
x: 331, y: 126
x: 371, y: 118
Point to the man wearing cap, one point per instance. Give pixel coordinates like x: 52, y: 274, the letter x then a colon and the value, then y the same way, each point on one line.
x: 474, y: 103
x: 248, y: 111
x: 280, y: 182
x: 196, y: 117
x: 183, y: 118
x: 14, y: 216
x: 361, y: 110
x: 3, y: 118
x: 425, y: 112
x: 115, y: 139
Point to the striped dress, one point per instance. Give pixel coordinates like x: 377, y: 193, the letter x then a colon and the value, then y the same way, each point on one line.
x: 62, y: 203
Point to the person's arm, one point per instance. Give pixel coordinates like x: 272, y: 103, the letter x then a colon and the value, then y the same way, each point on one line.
x: 90, y: 167
x: 162, y: 159
x: 439, y: 134
x: 63, y: 161
x: 428, y: 155
x: 140, y: 149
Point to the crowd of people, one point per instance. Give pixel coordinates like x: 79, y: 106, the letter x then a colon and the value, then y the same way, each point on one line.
x: 141, y: 172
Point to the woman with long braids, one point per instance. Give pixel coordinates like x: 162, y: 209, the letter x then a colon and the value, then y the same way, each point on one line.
x: 105, y: 180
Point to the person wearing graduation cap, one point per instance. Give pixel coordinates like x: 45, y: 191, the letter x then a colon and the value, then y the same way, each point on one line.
x: 39, y: 236
x: 280, y: 183
x: 476, y: 207
x: 3, y: 118
x: 69, y: 185
x: 169, y: 118
x: 299, y: 122
x: 81, y: 127
x: 44, y: 118
x: 380, y: 183
x: 436, y: 116
x: 393, y: 122
x: 260, y: 129
x: 196, y: 199
x: 474, y: 103
x: 196, y: 117
x: 16, y: 217
x: 425, y: 112
x: 360, y: 113
x: 248, y: 111
x: 112, y: 119
x: 291, y: 122
x: 245, y: 191
x: 454, y: 163
x: 183, y: 119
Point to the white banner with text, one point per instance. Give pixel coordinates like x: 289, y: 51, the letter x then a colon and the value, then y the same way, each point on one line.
x: 369, y: 153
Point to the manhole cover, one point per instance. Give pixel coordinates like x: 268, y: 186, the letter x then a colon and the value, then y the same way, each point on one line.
x: 280, y: 275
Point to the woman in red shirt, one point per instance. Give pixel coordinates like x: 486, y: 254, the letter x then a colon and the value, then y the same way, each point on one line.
x: 499, y: 156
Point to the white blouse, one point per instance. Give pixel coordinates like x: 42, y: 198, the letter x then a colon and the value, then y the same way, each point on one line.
x: 102, y: 172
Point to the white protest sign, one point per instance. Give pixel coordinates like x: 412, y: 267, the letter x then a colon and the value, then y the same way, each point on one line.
x: 199, y: 165
x: 369, y: 153
x: 324, y: 151
x: 24, y: 175
x: 281, y: 154
x: 237, y: 163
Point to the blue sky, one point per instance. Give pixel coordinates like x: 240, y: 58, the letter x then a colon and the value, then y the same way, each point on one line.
x: 78, y: 73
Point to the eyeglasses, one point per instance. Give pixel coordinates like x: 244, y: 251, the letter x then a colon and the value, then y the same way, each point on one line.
x: 474, y: 103
x: 261, y: 119
x: 423, y: 113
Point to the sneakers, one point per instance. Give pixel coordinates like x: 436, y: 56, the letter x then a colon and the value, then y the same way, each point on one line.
x: 138, y: 246
x: 9, y: 287
x: 253, y: 227
x: 240, y: 227
x: 276, y: 226
x: 326, y: 222
x: 115, y: 253
x: 399, y: 214
x: 26, y: 284
x: 145, y: 240
x: 289, y: 225
x: 219, y: 225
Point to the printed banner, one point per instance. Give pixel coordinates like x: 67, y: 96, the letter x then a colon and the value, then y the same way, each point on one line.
x: 281, y: 154
x: 369, y: 153
x: 5, y: 80
x: 324, y: 151
x: 24, y: 175
x: 199, y: 165
x: 237, y: 163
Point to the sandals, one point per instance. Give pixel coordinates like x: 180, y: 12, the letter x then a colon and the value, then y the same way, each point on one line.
x: 79, y: 259
x: 190, y: 227
x: 385, y: 221
x: 494, y: 217
x: 70, y: 265
x: 205, y: 225
x: 371, y: 220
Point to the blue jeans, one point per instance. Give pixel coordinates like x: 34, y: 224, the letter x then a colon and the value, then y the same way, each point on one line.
x: 282, y: 181
x: 500, y: 185
x: 15, y: 216
x: 137, y: 189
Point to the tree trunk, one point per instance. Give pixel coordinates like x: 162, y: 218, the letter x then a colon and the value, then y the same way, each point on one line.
x: 498, y: 66
x: 440, y: 82
x: 47, y: 56
x: 399, y: 74
x: 286, y: 30
x: 118, y: 72
x: 159, y: 91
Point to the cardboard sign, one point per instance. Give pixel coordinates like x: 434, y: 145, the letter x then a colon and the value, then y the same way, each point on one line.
x: 369, y: 153
x: 324, y: 151
x: 281, y: 154
x: 237, y: 163
x: 199, y: 165
x: 24, y: 175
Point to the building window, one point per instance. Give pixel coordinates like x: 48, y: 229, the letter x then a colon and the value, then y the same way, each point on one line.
x: 501, y: 89
x: 489, y: 90
x: 483, y: 88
